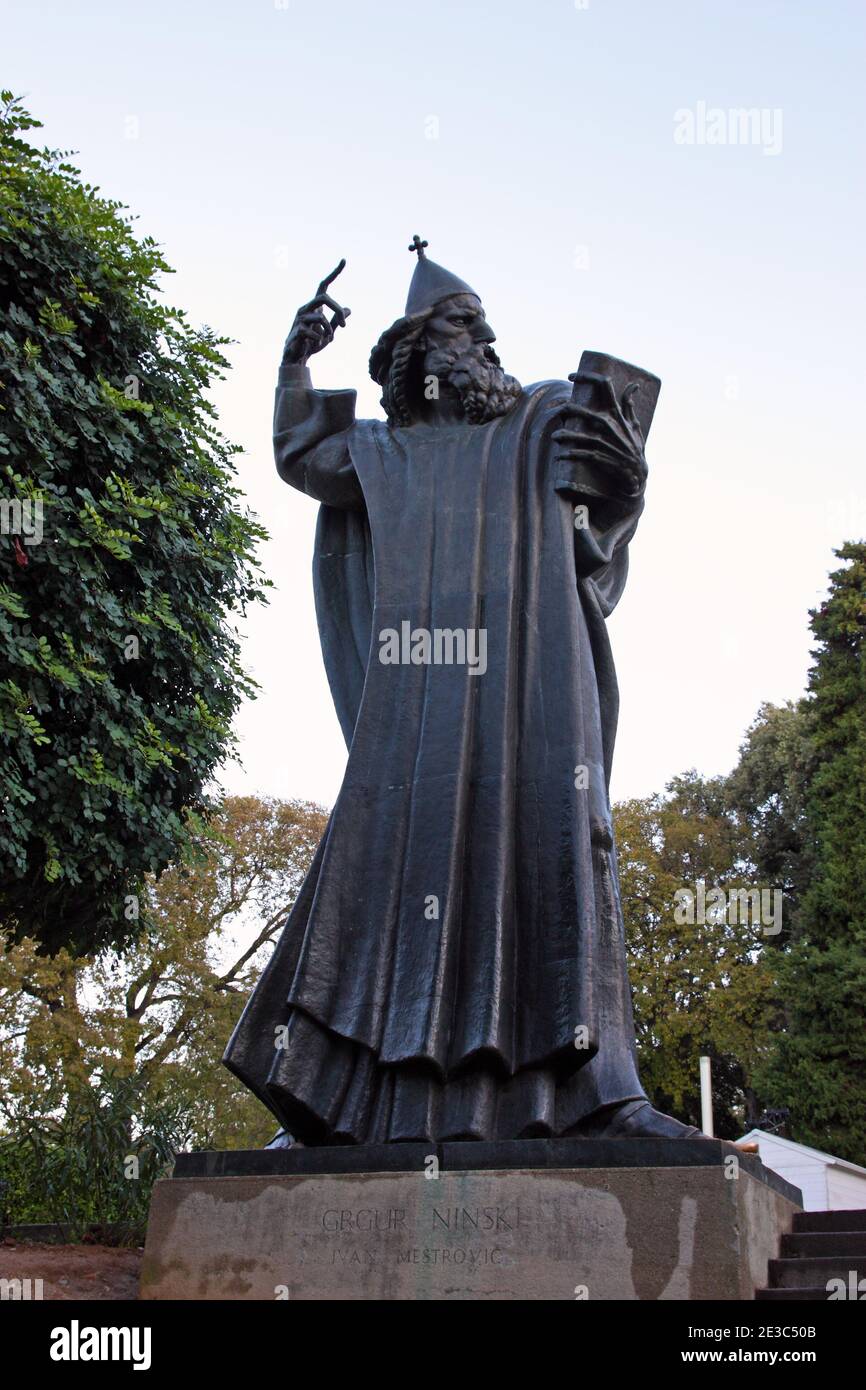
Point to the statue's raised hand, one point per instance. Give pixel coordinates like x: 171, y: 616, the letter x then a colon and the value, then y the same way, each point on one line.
x: 312, y: 329
x: 610, y: 437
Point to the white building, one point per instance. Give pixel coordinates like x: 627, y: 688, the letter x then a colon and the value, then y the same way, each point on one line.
x: 827, y: 1183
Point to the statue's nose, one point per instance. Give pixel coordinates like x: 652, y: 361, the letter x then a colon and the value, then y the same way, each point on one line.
x: 482, y: 332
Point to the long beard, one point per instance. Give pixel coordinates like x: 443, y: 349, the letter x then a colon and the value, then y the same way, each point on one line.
x: 485, y: 391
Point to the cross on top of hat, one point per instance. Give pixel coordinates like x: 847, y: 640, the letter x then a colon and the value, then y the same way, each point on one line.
x: 418, y: 245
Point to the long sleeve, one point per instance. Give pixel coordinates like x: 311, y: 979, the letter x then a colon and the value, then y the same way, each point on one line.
x: 311, y: 439
x: 603, y: 530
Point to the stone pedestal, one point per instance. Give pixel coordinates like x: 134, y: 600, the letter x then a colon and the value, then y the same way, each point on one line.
x: 532, y: 1219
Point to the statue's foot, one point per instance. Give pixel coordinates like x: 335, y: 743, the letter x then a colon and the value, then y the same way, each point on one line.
x: 636, y: 1119
x: 283, y: 1140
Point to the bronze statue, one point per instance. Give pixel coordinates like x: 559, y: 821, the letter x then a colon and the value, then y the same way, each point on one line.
x: 454, y: 966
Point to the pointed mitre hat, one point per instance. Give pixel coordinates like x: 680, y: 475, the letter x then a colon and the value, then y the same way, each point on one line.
x: 432, y: 283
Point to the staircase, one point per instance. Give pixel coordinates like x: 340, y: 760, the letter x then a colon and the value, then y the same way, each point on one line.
x: 823, y: 1245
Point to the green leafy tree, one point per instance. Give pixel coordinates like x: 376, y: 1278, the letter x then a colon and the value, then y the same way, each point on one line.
x: 818, y: 1070
x: 767, y: 792
x: 124, y: 557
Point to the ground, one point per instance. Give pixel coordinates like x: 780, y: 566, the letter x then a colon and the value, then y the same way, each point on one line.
x: 73, y: 1271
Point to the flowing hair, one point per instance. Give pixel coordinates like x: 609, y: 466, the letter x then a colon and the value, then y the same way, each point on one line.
x: 390, y: 364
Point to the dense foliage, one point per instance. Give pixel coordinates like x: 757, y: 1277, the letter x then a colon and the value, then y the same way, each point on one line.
x: 819, y: 1067
x: 124, y: 556
x: 92, y: 1168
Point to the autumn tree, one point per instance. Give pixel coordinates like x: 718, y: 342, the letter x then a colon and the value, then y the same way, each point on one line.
x: 700, y: 987
x: 155, y: 1021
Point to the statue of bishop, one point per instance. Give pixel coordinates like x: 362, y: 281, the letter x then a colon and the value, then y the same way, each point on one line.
x: 454, y: 966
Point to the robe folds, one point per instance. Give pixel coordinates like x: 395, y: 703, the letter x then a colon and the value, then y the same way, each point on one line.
x: 454, y: 964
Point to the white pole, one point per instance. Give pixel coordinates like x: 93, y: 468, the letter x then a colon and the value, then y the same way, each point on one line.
x: 706, y: 1097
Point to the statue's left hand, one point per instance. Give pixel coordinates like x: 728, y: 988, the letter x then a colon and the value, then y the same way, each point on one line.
x: 614, y: 439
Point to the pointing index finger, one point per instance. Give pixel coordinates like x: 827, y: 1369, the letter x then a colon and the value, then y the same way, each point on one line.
x: 322, y: 297
x: 330, y: 278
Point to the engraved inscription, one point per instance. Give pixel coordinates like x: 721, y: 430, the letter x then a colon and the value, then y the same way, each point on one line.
x: 477, y: 1218
x: 364, y: 1219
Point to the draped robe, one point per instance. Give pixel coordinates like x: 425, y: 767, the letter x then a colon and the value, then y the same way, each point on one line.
x: 454, y: 964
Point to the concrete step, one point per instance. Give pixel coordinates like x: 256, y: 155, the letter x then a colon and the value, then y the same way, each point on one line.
x: 814, y: 1272
x: 806, y: 1244
x: 830, y: 1221
x: 791, y: 1295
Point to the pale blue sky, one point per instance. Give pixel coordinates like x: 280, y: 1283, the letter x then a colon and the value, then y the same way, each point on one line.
x: 269, y: 141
